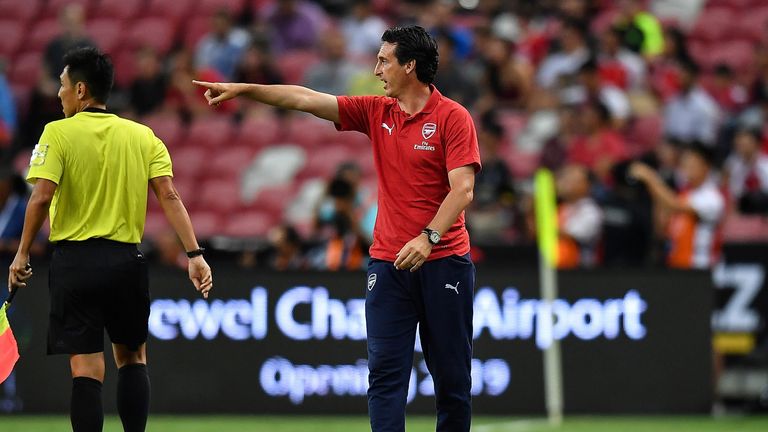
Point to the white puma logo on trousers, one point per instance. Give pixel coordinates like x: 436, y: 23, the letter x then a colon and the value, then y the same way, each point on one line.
x: 451, y: 287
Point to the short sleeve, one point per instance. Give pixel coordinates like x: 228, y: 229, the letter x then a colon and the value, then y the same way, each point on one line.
x: 708, y: 205
x: 160, y: 161
x: 47, y: 161
x: 461, y: 147
x: 355, y: 112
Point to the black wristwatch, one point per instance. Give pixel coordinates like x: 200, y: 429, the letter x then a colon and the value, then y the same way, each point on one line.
x: 432, y: 235
x: 195, y: 253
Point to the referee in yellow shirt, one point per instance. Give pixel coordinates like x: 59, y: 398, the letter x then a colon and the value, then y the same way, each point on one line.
x: 90, y: 173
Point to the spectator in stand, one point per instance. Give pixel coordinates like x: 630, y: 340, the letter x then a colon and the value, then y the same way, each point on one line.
x: 691, y: 115
x: 439, y: 15
x: 573, y: 53
x: 452, y: 77
x: 148, y: 89
x: 494, y: 197
x: 666, y: 68
x: 746, y: 172
x: 730, y: 96
x: 642, y: 31
x: 7, y: 109
x: 294, y: 25
x: 362, y: 30
x: 693, y: 230
x: 593, y: 88
x: 334, y: 73
x: 618, y: 65
x: 508, y: 80
x: 258, y: 66
x: 555, y: 150
x: 183, y: 96
x: 579, y: 219
x: 599, y: 146
x: 286, y: 249
x: 13, y: 205
x: 223, y: 47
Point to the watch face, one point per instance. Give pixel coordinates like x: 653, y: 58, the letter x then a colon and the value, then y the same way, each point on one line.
x: 434, y: 237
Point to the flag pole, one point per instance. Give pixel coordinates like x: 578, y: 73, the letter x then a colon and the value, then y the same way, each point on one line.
x: 546, y: 228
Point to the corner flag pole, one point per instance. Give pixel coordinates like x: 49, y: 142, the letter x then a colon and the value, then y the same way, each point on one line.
x: 546, y: 228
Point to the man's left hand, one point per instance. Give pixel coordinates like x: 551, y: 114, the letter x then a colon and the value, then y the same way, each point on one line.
x: 19, y: 271
x: 413, y: 255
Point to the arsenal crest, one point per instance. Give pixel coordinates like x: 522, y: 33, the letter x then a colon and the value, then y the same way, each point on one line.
x: 428, y: 130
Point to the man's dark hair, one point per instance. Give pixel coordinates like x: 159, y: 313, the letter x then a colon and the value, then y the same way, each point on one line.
x: 414, y: 43
x: 702, y: 151
x: 92, y: 67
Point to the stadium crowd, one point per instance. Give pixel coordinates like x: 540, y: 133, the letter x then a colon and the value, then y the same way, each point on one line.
x: 650, y: 112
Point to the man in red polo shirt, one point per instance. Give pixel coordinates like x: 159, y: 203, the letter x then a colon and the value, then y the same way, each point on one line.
x: 426, y: 155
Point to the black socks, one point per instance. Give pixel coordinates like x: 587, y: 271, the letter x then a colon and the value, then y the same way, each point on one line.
x: 133, y: 397
x: 86, y: 412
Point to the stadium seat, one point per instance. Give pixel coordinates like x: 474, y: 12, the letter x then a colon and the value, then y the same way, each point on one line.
x: 275, y: 199
x: 259, y: 131
x: 155, y: 223
x: 11, y: 34
x: 513, y: 123
x: 742, y: 228
x: 123, y: 10
x: 309, y: 131
x: 20, y: 11
x: 153, y: 32
x: 194, y: 30
x: 210, y: 7
x: 275, y: 165
x: 713, y: 24
x: 603, y: 21
x: 252, y: 223
x: 54, y: 7
x: 229, y: 162
x: 521, y: 164
x: 207, y: 223
x: 107, y: 33
x: 171, y: 10
x: 751, y: 24
x: 22, y: 95
x: 324, y: 161
x: 739, y: 55
x: 187, y: 189
x: 167, y: 127
x: 293, y: 65
x: 125, y: 67
x: 41, y: 33
x: 211, y: 131
x: 26, y: 70
x: 219, y: 195
x: 353, y: 139
x: 644, y: 134
x: 188, y: 161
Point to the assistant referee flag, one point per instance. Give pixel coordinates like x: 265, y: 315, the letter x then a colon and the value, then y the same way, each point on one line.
x: 9, y: 351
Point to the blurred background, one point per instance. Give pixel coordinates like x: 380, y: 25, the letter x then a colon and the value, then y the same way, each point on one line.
x: 283, y: 201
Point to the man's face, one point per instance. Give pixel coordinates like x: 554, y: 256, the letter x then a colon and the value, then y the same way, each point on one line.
x: 68, y: 94
x: 389, y: 70
x: 694, y: 168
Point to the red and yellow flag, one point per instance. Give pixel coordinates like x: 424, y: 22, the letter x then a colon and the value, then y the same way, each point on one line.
x: 9, y: 351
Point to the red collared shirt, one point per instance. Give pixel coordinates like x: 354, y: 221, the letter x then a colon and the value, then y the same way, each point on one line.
x: 413, y: 155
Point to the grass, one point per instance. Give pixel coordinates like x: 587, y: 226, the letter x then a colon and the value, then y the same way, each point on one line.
x: 415, y: 424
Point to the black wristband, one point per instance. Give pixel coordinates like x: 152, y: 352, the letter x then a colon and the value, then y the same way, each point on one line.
x: 195, y: 253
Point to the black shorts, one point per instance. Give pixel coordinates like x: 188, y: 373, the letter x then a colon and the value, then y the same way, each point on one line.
x: 94, y: 285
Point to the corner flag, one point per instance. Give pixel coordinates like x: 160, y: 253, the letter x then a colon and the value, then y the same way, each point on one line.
x: 9, y: 350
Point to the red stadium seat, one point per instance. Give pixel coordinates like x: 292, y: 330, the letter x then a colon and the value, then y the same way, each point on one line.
x: 22, y: 95
x: 11, y: 34
x: 41, y: 33
x: 107, y: 33
x: 275, y: 199
x: 324, y: 161
x: 188, y: 162
x: 645, y: 133
x: 229, y: 162
x: 219, y: 195
x: 741, y: 228
x: 20, y: 11
x: 172, y: 10
x: 713, y: 24
x: 125, y: 67
x: 739, y: 55
x: 26, y: 70
x: 54, y: 7
x: 259, y: 131
x: 293, y: 65
x: 308, y: 131
x: 252, y: 223
x: 156, y: 223
x: 117, y: 9
x: 751, y: 24
x: 207, y: 223
x: 187, y: 189
x: 167, y: 127
x: 210, y: 7
x: 194, y: 30
x: 156, y: 33
x: 212, y: 132
x: 522, y: 164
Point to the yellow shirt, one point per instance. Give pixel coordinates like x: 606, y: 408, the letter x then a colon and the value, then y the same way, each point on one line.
x: 102, y: 165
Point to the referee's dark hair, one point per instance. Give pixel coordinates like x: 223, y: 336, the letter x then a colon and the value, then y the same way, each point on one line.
x: 92, y: 67
x: 414, y: 43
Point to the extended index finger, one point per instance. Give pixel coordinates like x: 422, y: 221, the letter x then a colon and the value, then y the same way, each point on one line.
x: 205, y: 84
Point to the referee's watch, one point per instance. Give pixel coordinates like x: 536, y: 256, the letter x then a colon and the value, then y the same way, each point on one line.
x: 195, y: 253
x: 432, y: 235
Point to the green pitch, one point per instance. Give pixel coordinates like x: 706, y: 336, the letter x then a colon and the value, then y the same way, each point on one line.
x: 415, y: 424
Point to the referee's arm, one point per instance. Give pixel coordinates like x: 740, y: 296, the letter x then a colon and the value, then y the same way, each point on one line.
x: 176, y: 213
x: 37, y: 211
